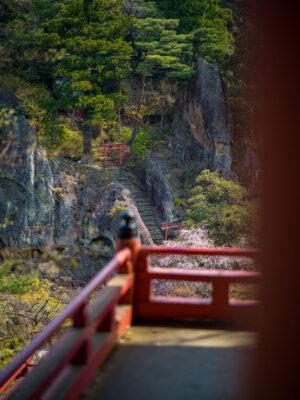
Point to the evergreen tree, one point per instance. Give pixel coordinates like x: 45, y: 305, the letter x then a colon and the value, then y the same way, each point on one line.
x: 162, y: 53
x: 20, y: 25
x: 210, y: 22
x: 196, y: 14
x: 91, y: 35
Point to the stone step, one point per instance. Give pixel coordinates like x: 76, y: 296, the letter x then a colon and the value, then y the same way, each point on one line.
x: 142, y: 204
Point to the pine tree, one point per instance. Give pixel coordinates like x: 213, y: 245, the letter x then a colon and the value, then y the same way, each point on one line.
x: 20, y: 25
x: 91, y: 35
x: 161, y: 52
x: 210, y: 22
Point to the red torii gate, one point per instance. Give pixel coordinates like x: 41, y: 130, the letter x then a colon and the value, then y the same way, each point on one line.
x: 113, y: 146
x: 169, y: 225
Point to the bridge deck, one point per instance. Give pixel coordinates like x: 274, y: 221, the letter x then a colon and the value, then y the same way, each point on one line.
x: 175, y: 362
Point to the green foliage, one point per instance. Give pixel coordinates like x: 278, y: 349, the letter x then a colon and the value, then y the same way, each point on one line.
x: 38, y: 105
x: 223, y: 207
x: 20, y: 23
x: 141, y: 143
x: 7, y: 116
x: 59, y: 137
x: 210, y: 24
x: 90, y: 36
x: 20, y: 283
x: 24, y: 314
x: 125, y: 134
x: 195, y: 14
x: 161, y: 51
x: 117, y: 209
x: 215, y: 45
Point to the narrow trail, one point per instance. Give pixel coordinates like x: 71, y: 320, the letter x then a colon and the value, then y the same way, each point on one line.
x: 143, y: 206
x: 124, y: 178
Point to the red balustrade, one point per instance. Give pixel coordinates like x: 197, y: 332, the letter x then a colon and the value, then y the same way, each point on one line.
x: 97, y: 326
x: 19, y: 372
x: 219, y: 307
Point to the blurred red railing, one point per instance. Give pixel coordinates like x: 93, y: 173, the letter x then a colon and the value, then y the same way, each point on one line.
x: 97, y: 322
x: 219, y: 307
x: 19, y: 372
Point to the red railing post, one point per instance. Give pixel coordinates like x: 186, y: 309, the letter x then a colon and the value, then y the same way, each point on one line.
x: 128, y: 238
x: 80, y: 320
x: 143, y: 289
x: 105, y: 156
x: 220, y: 295
x: 166, y: 232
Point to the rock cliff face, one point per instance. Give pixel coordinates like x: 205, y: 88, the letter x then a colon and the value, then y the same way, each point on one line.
x: 59, y: 204
x: 201, y: 139
x: 153, y: 181
x: 203, y: 126
x: 55, y: 203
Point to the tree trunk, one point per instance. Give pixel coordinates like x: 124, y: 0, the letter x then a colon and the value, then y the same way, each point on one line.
x: 137, y: 121
x: 87, y: 154
x: 120, y: 124
x: 162, y: 118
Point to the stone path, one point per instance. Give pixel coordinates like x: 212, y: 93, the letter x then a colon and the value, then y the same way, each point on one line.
x: 177, y: 363
x: 143, y: 206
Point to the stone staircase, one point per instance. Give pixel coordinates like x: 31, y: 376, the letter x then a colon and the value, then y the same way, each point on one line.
x: 142, y: 204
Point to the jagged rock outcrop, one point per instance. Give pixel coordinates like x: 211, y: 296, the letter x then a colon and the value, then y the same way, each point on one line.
x: 55, y: 203
x: 203, y: 127
x: 153, y: 181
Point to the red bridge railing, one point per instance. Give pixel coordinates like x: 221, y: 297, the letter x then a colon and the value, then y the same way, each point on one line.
x: 74, y: 359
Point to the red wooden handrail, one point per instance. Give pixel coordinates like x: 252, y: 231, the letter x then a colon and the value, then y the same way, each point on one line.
x: 72, y: 310
x: 189, y: 251
x: 16, y: 373
x: 200, y: 276
x: 75, y: 345
x: 219, y: 307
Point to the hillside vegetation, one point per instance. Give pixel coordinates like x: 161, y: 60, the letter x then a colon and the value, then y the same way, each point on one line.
x: 81, y: 69
x: 83, y: 65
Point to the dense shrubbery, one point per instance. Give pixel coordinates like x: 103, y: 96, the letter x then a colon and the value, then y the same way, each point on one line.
x: 224, y: 208
x: 27, y: 304
x: 63, y: 55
